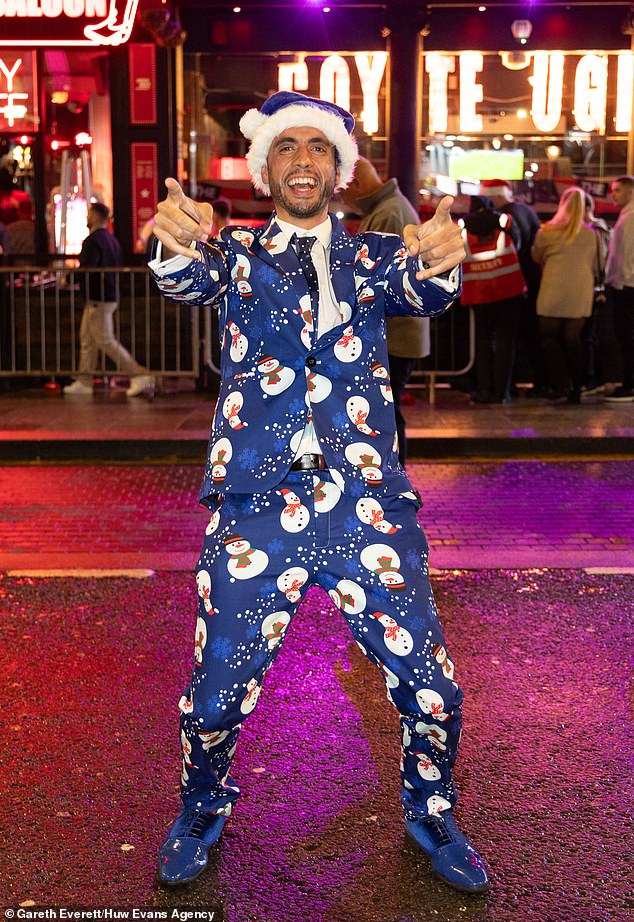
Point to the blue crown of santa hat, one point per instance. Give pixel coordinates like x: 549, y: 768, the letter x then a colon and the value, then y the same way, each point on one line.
x: 287, y: 109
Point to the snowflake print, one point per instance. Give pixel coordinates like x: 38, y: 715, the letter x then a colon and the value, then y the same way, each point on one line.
x: 221, y: 647
x: 275, y: 546
x: 247, y: 458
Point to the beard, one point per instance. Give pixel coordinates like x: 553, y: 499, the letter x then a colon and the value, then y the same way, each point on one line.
x: 301, y: 209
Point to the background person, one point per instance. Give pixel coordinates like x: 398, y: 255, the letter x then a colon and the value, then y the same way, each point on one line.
x: 385, y: 209
x: 96, y: 333
x: 619, y: 277
x: 526, y: 223
x: 493, y: 284
x: 567, y: 251
x: 595, y: 334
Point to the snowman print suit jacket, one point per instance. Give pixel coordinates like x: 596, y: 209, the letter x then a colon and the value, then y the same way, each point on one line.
x: 276, y: 374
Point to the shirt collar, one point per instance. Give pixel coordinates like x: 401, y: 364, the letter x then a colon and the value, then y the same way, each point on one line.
x: 322, y: 231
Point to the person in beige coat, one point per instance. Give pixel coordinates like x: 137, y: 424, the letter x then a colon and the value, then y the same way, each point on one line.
x: 569, y: 253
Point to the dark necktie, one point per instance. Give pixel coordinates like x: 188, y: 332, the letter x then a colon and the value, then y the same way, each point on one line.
x: 303, y: 246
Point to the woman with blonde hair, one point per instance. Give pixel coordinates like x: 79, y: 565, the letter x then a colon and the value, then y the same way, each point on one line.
x: 569, y: 254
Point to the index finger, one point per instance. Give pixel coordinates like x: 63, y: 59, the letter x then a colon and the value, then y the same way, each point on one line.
x: 174, y: 190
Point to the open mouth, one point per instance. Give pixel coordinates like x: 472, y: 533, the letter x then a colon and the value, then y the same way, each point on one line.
x: 302, y: 185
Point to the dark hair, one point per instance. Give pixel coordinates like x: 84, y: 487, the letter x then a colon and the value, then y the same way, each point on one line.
x: 625, y: 181
x: 102, y: 210
x: 222, y: 207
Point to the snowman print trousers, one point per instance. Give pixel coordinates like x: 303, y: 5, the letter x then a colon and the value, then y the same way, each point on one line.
x: 260, y: 555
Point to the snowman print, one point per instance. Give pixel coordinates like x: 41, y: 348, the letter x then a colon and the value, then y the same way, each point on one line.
x: 370, y: 511
x: 231, y: 408
x: 203, y: 581
x: 385, y: 562
x: 240, y: 274
x: 244, y: 237
x: 436, y: 735
x: 211, y: 738
x: 348, y: 347
x: 358, y: 409
x: 440, y: 655
x: 381, y: 373
x: 430, y: 702
x: 368, y: 460
x: 251, y: 698
x: 294, y: 516
x: 245, y: 562
x: 436, y: 804
x: 239, y: 342
x: 274, y: 627
x: 366, y: 295
x: 318, y: 387
x: 396, y: 638
x: 326, y: 494
x: 426, y: 768
x: 214, y: 522
x: 185, y: 705
x: 348, y: 596
x: 186, y: 747
x: 414, y: 299
x: 220, y: 454
x: 363, y: 256
x: 276, y: 378
x: 306, y: 313
x: 290, y: 582
x: 200, y: 639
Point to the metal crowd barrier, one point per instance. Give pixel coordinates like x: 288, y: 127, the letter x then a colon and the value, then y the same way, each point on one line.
x: 41, y: 308
x: 40, y: 316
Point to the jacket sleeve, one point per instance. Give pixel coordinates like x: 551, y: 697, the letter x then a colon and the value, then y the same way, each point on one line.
x: 196, y: 282
x: 405, y: 295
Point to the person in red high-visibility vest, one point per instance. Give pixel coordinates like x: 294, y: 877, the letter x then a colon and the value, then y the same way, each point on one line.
x: 493, y: 283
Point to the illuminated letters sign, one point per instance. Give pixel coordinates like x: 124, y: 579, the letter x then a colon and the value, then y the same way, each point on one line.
x: 54, y: 23
x: 472, y: 93
x: 335, y: 73
x: 18, y: 92
x: 553, y: 93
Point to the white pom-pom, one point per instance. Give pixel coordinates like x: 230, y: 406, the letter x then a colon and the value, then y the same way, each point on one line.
x: 251, y: 121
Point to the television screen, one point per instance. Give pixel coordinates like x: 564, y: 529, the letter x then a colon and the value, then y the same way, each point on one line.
x: 473, y: 165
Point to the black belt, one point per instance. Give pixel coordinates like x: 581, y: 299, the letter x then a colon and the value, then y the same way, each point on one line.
x: 309, y: 462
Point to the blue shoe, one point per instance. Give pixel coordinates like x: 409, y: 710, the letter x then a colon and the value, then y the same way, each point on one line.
x: 183, y: 855
x: 452, y: 856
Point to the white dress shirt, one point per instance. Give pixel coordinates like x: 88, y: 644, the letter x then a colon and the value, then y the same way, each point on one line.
x: 328, y: 315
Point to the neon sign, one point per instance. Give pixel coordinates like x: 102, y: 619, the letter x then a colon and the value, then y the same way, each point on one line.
x: 66, y: 22
x: 18, y: 97
x: 588, y: 91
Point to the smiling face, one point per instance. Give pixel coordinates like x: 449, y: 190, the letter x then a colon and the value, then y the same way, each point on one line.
x: 302, y: 175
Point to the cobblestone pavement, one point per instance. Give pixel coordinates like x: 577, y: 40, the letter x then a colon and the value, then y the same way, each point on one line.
x: 90, y: 673
x: 476, y: 515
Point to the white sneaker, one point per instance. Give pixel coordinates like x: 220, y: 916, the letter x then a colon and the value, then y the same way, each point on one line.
x: 139, y: 385
x: 78, y: 389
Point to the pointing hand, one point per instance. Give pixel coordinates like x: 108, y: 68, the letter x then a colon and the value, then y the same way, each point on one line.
x: 438, y: 242
x: 179, y: 221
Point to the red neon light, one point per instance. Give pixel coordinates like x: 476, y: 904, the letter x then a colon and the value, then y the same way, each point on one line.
x: 95, y: 22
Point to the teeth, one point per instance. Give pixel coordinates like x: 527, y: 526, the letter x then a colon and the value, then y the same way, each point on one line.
x: 302, y: 180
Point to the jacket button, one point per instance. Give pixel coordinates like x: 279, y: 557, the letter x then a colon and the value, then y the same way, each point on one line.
x: 311, y: 361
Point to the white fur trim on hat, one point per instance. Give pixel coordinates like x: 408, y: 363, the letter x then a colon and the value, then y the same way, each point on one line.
x: 262, y: 129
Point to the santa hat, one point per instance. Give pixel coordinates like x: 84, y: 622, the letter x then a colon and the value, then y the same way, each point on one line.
x: 495, y: 187
x: 288, y: 109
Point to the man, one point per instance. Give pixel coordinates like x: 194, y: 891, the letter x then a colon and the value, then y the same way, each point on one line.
x: 619, y: 277
x: 302, y: 479
x: 96, y: 332
x: 385, y: 209
x: 525, y: 225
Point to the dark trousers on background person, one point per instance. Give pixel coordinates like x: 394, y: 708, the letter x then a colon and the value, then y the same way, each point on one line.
x: 400, y: 372
x: 563, y: 351
x: 623, y: 309
x: 496, y: 332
